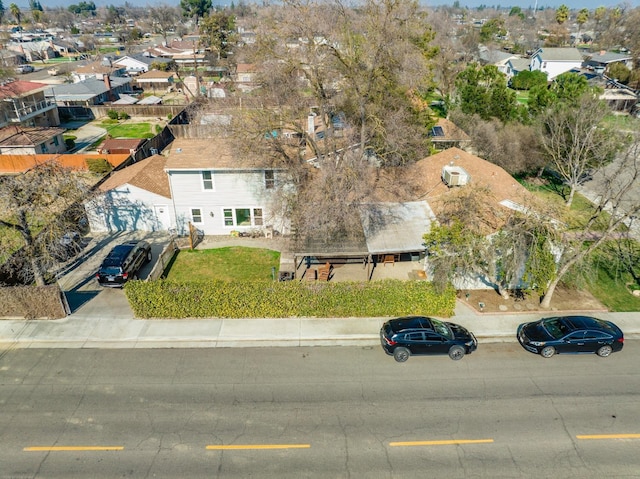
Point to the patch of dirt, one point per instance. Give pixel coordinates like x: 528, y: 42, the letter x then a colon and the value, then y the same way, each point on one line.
x: 564, y: 299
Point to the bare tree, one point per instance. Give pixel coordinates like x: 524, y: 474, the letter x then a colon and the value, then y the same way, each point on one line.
x: 41, y: 205
x: 575, y: 142
x: 163, y: 19
x: 512, y: 146
x: 615, y: 204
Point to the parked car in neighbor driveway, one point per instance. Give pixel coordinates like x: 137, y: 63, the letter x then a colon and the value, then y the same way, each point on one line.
x: 123, y: 263
x: 570, y: 334
x: 421, y: 335
x: 24, y: 69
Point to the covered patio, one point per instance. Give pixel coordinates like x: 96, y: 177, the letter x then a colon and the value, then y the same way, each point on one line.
x: 389, y: 246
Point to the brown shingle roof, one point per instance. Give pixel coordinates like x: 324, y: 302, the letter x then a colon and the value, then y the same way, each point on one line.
x: 147, y: 174
x: 208, y: 153
x: 424, y: 178
x: 451, y: 132
x: 27, y: 136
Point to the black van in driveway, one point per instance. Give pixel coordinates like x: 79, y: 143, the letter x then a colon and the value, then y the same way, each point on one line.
x: 123, y: 263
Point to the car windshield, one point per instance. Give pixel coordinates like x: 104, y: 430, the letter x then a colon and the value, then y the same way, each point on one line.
x: 441, y: 328
x: 111, y: 271
x: 556, y: 327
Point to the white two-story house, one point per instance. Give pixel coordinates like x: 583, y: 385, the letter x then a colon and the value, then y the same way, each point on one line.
x: 220, y: 191
x: 198, y: 181
x: 555, y: 61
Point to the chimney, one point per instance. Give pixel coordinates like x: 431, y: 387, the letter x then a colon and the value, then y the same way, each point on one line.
x: 107, y: 84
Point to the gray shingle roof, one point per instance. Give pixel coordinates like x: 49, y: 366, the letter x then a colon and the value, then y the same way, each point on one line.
x: 85, y: 89
x: 559, y: 54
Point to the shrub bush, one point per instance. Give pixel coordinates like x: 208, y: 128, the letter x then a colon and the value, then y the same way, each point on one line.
x: 123, y: 115
x: 99, y: 166
x: 112, y: 114
x: 267, y: 299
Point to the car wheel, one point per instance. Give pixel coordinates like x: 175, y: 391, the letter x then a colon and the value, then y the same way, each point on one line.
x: 456, y: 352
x: 604, y: 351
x: 148, y: 256
x: 401, y: 354
x: 548, y: 351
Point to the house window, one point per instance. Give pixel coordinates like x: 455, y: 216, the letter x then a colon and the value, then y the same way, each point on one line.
x: 228, y: 217
x: 269, y: 179
x: 243, y: 216
x: 257, y: 216
x: 196, y: 215
x: 55, y: 140
x: 207, y: 180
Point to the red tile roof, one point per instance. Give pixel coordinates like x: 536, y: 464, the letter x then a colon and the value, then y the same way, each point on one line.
x: 19, y: 88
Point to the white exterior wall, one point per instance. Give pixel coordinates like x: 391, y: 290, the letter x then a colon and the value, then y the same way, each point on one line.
x: 553, y: 69
x: 232, y: 189
x: 132, y: 65
x: 129, y: 208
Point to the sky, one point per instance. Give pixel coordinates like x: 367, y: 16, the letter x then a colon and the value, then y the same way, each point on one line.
x: 577, y: 4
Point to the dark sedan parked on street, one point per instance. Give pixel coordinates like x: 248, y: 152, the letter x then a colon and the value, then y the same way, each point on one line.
x: 420, y: 335
x: 570, y: 334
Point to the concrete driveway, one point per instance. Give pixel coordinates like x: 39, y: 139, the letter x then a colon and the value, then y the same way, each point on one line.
x: 76, y: 277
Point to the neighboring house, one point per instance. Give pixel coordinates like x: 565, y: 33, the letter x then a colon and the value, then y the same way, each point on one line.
x: 31, y: 140
x: 161, y: 51
x: 619, y: 97
x: 9, y: 59
x: 220, y: 191
x: 139, y: 63
x: 601, y: 60
x: 121, y: 145
x: 156, y: 80
x: 426, y: 179
x: 498, y: 58
x: 135, y: 198
x: 35, y: 50
x: 245, y: 73
x: 98, y: 70
x: 11, y: 164
x: 89, y: 92
x: 516, y: 65
x: 555, y: 61
x: 24, y: 103
x: 446, y: 134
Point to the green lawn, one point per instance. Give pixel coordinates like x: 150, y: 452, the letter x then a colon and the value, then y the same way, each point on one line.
x: 623, y: 122
x: 232, y: 263
x: 522, y: 96
x: 128, y: 130
x: 556, y: 193
x: 610, y: 279
x: 614, y: 281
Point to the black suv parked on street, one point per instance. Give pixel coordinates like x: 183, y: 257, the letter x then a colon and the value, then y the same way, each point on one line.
x: 420, y: 335
x: 123, y: 263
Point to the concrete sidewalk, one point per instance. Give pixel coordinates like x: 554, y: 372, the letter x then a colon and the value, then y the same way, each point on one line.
x: 94, y: 325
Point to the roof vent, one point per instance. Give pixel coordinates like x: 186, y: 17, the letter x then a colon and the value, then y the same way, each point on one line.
x: 454, y: 176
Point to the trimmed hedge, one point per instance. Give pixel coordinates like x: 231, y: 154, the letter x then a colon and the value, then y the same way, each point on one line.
x: 267, y: 299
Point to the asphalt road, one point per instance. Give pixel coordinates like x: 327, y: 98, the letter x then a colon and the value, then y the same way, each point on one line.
x: 326, y: 412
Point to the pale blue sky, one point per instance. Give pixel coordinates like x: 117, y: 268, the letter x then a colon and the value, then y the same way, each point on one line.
x: 590, y: 4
